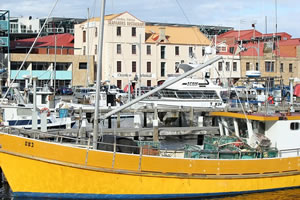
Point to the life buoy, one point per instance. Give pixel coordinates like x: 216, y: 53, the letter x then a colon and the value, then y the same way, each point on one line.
x: 270, y: 100
x: 42, y: 110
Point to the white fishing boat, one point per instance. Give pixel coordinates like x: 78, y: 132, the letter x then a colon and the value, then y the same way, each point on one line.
x: 20, y: 116
x: 193, y: 92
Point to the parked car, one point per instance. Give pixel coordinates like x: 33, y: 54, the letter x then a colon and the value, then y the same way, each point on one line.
x: 64, y: 91
x: 83, y: 93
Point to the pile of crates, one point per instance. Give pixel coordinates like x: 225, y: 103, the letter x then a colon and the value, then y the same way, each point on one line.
x: 226, y: 147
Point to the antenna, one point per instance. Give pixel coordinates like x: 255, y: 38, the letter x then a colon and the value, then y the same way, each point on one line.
x: 266, y: 24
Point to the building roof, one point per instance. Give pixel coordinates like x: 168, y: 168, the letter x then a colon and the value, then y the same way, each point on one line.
x: 282, y: 34
x: 62, y: 40
x: 176, y: 35
x: 241, y: 35
x: 287, y: 45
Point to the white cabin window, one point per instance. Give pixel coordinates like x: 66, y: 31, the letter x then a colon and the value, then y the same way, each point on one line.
x: 294, y: 126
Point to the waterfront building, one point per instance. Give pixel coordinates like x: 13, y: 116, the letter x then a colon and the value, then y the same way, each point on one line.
x: 161, y: 48
x: 275, y: 56
x: 53, y: 54
x: 28, y: 26
x: 4, y: 45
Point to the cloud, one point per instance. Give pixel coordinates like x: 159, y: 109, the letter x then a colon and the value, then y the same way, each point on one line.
x: 217, y: 12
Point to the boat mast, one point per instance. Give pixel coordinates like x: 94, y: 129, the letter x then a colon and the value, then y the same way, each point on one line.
x: 99, y: 68
x: 88, y: 47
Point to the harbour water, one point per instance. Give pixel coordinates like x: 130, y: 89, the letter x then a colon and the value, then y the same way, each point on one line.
x: 291, y: 194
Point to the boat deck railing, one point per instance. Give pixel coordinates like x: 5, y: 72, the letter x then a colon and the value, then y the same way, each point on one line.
x: 145, y: 147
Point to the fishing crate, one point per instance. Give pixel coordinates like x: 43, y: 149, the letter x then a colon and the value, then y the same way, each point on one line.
x: 270, y: 153
x: 249, y: 155
x: 229, y: 155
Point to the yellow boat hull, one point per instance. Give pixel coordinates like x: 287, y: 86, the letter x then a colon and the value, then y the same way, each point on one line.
x: 39, y: 169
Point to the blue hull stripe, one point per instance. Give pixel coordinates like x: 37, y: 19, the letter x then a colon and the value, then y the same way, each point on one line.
x: 133, y: 196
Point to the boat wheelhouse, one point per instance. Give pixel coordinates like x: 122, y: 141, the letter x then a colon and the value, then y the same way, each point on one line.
x: 189, y: 91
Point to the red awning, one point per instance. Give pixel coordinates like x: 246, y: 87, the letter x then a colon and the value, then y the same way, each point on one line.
x: 297, y: 90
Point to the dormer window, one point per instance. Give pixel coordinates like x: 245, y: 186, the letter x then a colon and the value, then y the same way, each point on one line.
x: 222, y: 47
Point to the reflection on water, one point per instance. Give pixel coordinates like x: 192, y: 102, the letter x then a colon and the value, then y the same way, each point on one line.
x: 292, y: 194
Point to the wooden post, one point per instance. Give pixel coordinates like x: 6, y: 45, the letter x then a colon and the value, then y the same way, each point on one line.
x: 80, y: 116
x: 118, y: 120
x: 109, y: 122
x: 191, y: 116
x: 180, y: 118
x: 155, y: 125
x: 145, y: 119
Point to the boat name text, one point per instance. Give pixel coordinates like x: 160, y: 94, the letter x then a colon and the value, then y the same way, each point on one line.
x: 29, y: 144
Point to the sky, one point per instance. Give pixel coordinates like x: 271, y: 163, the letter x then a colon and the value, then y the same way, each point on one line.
x: 240, y: 14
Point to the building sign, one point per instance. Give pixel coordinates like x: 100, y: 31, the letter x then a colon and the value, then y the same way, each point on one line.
x: 119, y: 75
x: 148, y: 75
x: 3, y: 41
x: 126, y: 22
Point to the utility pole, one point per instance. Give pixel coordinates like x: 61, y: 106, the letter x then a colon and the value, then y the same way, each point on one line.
x: 140, y: 65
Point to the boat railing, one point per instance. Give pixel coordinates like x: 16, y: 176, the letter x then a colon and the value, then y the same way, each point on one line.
x: 145, y: 148
x: 282, y: 153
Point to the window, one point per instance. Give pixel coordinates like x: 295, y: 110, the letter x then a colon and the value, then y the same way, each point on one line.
x: 294, y: 126
x: 96, y: 49
x: 281, y: 67
x: 40, y: 66
x: 227, y: 66
x: 84, y: 36
x: 119, y: 66
x: 62, y: 66
x: 133, y: 66
x: 162, y: 69
x: 133, y: 31
x: 256, y: 66
x: 220, y: 66
x: 148, y: 67
x: 149, y: 83
x: 23, y: 28
x: 83, y: 50
x: 133, y: 49
x: 119, y: 31
x: 162, y: 52
x: 203, y: 51
x: 176, y: 50
x: 176, y: 67
x: 82, y: 65
x: 247, y: 66
x: 148, y: 50
x: 290, y: 67
x: 17, y: 65
x: 191, y: 54
x: 234, y: 67
x: 269, y: 66
x: 119, y: 50
x: 119, y: 83
x: 96, y: 32
x: 231, y: 50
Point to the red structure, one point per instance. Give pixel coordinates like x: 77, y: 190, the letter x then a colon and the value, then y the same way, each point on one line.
x: 46, y: 45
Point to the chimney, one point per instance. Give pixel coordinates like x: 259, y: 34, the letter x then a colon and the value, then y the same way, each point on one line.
x: 162, y: 34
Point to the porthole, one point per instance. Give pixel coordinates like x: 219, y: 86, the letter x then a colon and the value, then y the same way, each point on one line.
x: 294, y: 126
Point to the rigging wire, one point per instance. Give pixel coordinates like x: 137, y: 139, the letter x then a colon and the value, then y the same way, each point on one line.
x: 189, y: 22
